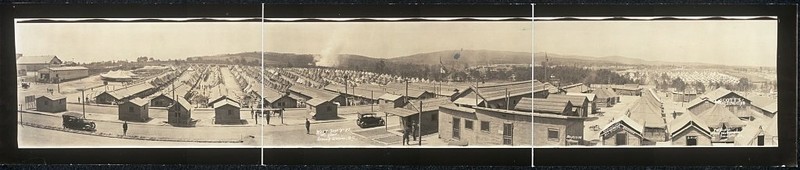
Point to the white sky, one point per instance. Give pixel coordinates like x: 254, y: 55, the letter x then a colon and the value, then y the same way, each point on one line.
x: 394, y: 39
x: 729, y: 42
x: 88, y: 42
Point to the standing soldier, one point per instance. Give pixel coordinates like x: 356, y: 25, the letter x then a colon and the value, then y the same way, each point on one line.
x: 308, y: 126
x: 406, y: 132
x: 268, y: 115
x: 414, y: 131
x: 125, y: 128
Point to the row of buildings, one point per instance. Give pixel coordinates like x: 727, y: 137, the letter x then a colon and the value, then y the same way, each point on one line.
x: 49, y: 69
x: 718, y: 116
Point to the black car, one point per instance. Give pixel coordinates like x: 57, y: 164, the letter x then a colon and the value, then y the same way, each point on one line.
x: 369, y: 120
x: 76, y: 121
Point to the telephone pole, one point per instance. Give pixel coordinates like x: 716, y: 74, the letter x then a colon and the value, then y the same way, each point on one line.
x: 419, y: 123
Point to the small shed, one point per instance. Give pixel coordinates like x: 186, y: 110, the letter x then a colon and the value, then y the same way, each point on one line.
x: 227, y: 112
x: 761, y: 133
x: 323, y: 109
x: 108, y: 97
x: 689, y: 130
x: 606, y: 97
x: 51, y: 103
x: 396, y: 100
x: 136, y: 110
x: 622, y: 131
x: 180, y: 113
x: 163, y: 100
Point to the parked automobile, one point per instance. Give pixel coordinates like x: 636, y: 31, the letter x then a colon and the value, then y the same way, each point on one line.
x: 76, y: 121
x: 369, y: 120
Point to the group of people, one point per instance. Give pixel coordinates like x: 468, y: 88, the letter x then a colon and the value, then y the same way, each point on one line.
x: 411, y: 130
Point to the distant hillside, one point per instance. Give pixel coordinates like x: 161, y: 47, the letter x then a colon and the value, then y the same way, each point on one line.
x: 270, y: 58
x: 470, y: 57
x: 560, y: 59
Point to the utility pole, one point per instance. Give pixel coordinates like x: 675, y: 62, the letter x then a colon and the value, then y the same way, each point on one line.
x: 405, y: 98
x: 545, y: 68
x: 508, y: 103
x: 476, y: 92
x: 83, y: 104
x: 419, y: 123
x: 371, y: 96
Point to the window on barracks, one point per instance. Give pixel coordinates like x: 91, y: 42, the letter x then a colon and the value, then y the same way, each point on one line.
x: 230, y: 112
x: 434, y: 117
x: 468, y: 124
x: 130, y: 109
x: 553, y: 134
x: 485, y: 126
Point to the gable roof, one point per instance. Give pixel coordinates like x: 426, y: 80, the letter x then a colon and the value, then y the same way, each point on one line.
x: 139, y: 101
x: 316, y: 101
x: 684, y: 121
x: 498, y: 91
x: 580, y: 86
x: 183, y: 103
x: 37, y: 59
x: 764, y: 103
x: 314, y: 93
x: 525, y: 104
x: 359, y: 91
x: 551, y: 105
x: 711, y: 96
x: 588, y: 96
x: 718, y: 114
x: 604, y: 93
x: 389, y: 96
x: 768, y: 127
x: 469, y: 101
x: 271, y: 95
x: 226, y: 101
x: 577, y: 101
x: 647, y: 110
x: 67, y: 68
x: 626, y: 121
x: 53, y: 96
x: 129, y: 91
x: 413, y: 107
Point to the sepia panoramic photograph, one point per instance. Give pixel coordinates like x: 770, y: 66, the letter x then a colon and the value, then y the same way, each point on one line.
x: 670, y: 82
x: 211, y: 83
x: 136, y: 83
x: 398, y: 84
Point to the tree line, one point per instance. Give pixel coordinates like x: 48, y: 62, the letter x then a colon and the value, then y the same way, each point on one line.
x: 571, y: 75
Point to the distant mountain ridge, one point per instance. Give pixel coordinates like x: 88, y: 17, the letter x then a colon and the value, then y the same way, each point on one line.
x: 468, y: 57
x: 566, y: 59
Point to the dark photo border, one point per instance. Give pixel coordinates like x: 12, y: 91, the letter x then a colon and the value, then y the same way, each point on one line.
x: 784, y: 154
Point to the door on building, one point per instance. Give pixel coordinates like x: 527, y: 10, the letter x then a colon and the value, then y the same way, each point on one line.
x: 760, y: 140
x: 622, y: 139
x: 508, y: 134
x: 456, y: 128
x: 691, y: 140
